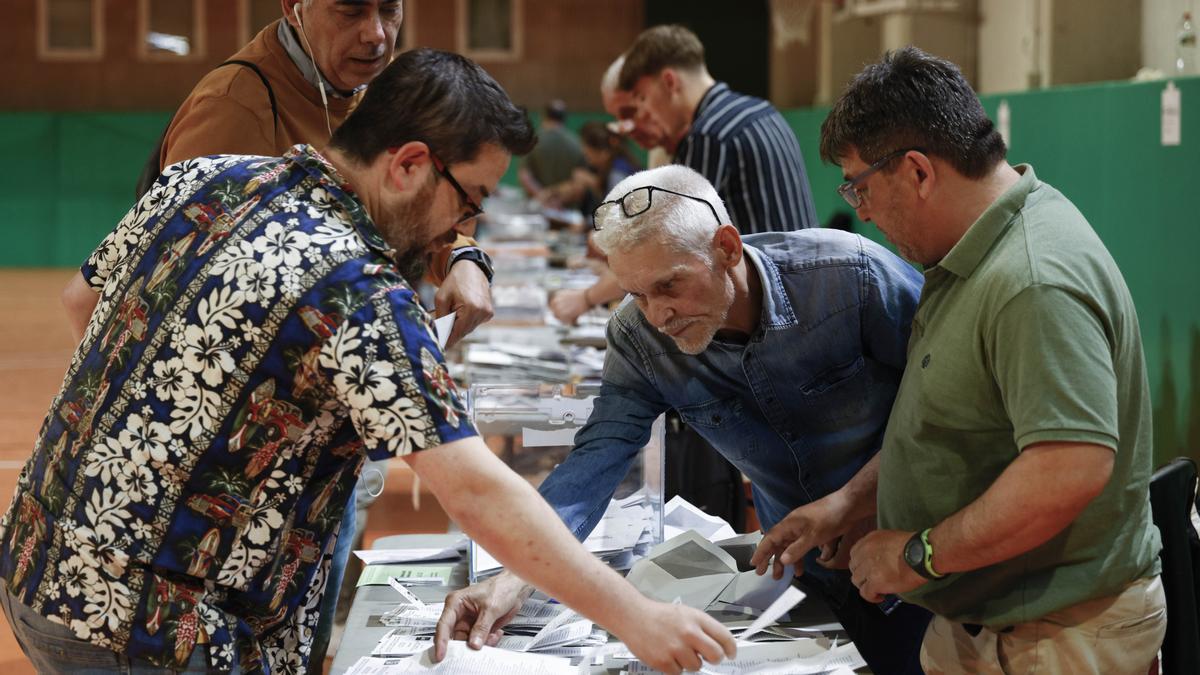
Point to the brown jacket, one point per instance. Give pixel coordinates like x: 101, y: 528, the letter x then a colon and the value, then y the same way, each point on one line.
x: 229, y: 113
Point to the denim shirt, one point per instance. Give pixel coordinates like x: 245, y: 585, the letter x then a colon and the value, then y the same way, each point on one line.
x: 799, y: 408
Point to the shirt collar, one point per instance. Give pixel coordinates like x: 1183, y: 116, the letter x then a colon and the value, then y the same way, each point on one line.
x: 776, y: 305
x: 315, y: 164
x: 991, y: 225
x: 707, y: 99
x: 287, y: 37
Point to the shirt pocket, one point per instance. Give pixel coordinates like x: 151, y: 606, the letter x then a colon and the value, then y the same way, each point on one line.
x: 723, y: 423
x: 834, y: 395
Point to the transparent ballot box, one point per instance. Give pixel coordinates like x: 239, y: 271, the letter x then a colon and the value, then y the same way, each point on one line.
x: 532, y: 427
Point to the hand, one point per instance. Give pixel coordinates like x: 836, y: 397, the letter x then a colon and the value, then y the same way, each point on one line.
x: 673, y: 638
x: 877, y: 565
x: 835, y: 555
x: 568, y: 304
x: 478, y: 613
x: 465, y: 291
x: 809, y: 526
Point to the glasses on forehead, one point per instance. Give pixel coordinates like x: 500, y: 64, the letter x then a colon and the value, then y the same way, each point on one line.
x: 638, y: 201
x: 474, y: 210
x: 849, y: 190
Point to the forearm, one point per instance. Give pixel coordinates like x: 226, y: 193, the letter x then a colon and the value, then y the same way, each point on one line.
x: 605, y: 290
x: 504, y: 515
x: 79, y: 300
x: 1035, y: 498
x: 857, y: 497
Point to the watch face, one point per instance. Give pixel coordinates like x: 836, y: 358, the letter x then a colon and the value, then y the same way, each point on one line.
x: 914, y: 552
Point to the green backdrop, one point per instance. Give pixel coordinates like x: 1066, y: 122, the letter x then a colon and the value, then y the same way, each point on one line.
x: 67, y: 178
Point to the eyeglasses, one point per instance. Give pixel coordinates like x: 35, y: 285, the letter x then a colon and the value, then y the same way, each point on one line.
x: 475, y: 210
x: 849, y: 189
x: 639, y: 200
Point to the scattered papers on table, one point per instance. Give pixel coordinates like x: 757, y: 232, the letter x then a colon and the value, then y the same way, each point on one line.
x: 410, y: 575
x: 680, y: 515
x: 462, y: 660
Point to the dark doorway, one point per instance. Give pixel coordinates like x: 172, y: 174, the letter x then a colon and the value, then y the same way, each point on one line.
x: 735, y: 36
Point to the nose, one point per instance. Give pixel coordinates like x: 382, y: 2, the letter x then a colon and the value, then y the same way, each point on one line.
x: 658, y: 313
x: 371, y: 32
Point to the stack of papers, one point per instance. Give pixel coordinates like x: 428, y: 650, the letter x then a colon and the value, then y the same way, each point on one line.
x: 623, y: 535
x: 798, y: 657
x: 462, y: 660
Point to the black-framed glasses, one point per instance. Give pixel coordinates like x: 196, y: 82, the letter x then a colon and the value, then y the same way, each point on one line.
x: 639, y: 200
x: 849, y: 189
x: 444, y: 171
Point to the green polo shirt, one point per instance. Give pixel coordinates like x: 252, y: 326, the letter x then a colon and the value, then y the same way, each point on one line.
x: 1025, y: 333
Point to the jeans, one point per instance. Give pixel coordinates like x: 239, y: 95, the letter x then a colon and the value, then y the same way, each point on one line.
x: 890, y: 643
x: 329, y: 598
x: 53, y: 648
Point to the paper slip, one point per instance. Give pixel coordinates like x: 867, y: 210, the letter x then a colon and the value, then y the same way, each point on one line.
x: 443, y: 325
x: 679, y: 515
x: 404, y: 592
x: 397, y: 643
x: 404, y: 555
x: 790, y: 598
x: 410, y: 575
x: 462, y: 660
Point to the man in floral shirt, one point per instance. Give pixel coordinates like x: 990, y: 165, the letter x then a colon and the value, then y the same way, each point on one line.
x: 254, y: 340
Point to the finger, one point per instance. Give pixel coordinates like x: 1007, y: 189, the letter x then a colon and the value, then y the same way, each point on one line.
x: 762, y: 555
x: 445, y: 628
x: 721, y: 635
x: 777, y: 568
x: 443, y: 302
x: 483, y: 626
x: 494, y: 638
x: 688, y: 659
x: 796, y: 551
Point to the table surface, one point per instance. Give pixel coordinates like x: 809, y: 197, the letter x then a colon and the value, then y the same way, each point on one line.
x: 363, y: 629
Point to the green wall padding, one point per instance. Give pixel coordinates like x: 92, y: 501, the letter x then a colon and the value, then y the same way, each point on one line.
x: 67, y: 179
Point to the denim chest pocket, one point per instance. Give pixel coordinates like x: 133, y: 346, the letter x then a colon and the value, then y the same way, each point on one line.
x: 723, y: 423
x: 836, y: 393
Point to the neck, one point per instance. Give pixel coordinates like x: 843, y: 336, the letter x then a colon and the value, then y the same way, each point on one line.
x: 971, y: 197
x: 693, y: 87
x: 747, y: 299
x: 359, y: 178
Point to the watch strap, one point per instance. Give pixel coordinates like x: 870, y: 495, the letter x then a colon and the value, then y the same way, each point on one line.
x: 927, y: 559
x: 475, y: 255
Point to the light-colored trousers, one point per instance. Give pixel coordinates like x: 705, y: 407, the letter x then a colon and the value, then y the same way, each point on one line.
x: 1114, y: 635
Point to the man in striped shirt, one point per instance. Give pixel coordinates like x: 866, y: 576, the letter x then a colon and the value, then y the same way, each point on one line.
x: 740, y: 143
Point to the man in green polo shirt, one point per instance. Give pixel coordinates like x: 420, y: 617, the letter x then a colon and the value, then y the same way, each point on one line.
x: 1013, y: 478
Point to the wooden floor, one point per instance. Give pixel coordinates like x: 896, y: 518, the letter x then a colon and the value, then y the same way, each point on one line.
x: 35, y: 347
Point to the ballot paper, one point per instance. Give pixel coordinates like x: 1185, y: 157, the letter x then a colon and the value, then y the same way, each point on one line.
x: 462, y: 660
x: 702, y: 574
x: 409, y: 575
x: 443, y: 325
x: 415, y: 554
x: 679, y: 516
x: 789, y: 599
x: 397, y: 643
x: 798, y: 657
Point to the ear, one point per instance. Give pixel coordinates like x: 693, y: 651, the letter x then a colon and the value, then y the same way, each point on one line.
x: 727, y: 246
x: 408, y: 166
x: 923, y: 173
x: 290, y: 8
x: 669, y: 79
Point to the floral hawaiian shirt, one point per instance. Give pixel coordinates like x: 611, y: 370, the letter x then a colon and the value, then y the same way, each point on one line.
x: 253, y: 342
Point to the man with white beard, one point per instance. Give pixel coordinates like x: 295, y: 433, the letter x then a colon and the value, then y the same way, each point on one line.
x: 782, y: 349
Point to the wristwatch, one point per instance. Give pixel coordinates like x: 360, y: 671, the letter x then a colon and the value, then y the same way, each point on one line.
x: 475, y: 255
x: 918, y: 554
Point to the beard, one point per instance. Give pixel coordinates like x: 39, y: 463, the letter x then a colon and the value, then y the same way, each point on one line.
x: 704, y: 328
x: 405, y: 227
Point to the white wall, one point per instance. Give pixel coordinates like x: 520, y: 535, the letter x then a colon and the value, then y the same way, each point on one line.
x: 1160, y: 23
x: 1012, y: 50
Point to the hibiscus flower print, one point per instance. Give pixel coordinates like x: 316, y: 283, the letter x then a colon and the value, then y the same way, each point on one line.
x: 364, y: 384
x: 206, y: 353
x: 280, y: 247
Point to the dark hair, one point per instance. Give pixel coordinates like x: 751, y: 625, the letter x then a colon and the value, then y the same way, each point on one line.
x: 556, y: 110
x: 911, y: 99
x: 441, y: 99
x: 596, y: 135
x: 669, y: 46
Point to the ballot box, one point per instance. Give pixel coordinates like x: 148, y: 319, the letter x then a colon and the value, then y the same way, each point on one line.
x: 532, y: 428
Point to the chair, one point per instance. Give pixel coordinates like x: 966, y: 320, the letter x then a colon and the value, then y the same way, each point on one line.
x: 1172, y: 494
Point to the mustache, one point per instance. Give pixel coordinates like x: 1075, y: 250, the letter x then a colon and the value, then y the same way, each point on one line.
x: 673, y: 326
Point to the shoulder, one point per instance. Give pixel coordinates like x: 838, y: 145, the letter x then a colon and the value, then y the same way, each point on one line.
x: 814, y: 248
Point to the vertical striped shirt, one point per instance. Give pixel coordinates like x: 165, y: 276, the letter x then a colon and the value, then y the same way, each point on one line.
x: 743, y: 146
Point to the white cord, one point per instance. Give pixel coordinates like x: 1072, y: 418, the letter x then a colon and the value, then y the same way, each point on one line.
x: 320, y: 78
x: 382, y: 481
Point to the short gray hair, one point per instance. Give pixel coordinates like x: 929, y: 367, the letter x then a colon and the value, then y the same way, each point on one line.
x: 685, y: 225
